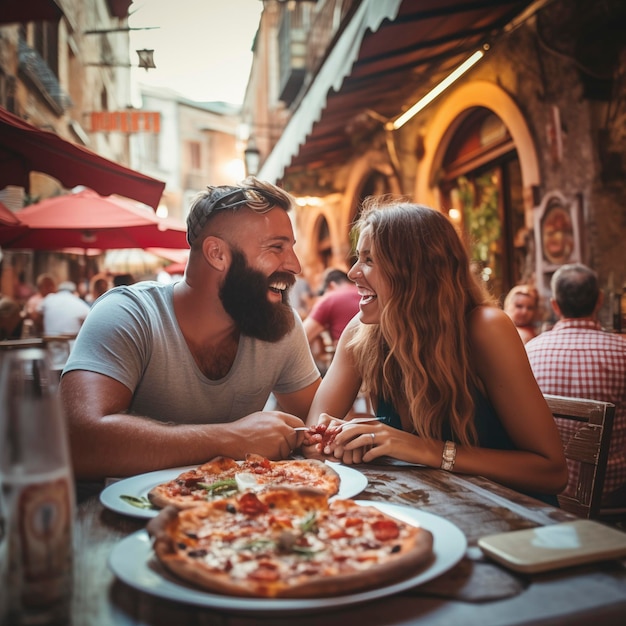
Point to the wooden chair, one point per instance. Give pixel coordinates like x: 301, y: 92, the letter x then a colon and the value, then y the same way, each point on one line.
x: 20, y: 344
x: 589, y: 446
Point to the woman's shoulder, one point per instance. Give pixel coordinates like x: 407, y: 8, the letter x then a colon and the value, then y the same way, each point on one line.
x: 487, y: 314
x: 488, y: 322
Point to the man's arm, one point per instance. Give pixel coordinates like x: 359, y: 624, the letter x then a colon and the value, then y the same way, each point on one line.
x: 107, y: 441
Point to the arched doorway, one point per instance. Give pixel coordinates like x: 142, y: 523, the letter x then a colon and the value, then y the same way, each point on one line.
x: 481, y: 189
x: 442, y: 129
x: 374, y: 184
x: 323, y: 245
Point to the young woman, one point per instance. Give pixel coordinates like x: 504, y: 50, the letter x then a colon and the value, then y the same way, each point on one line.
x: 442, y: 364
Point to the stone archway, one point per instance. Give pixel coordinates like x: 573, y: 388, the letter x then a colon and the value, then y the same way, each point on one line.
x: 373, y: 162
x: 446, y: 120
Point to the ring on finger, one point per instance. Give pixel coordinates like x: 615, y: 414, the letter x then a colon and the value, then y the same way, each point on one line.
x: 373, y: 436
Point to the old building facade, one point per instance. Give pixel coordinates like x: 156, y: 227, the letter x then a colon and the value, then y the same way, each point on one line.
x: 523, y: 144
x: 66, y: 68
x: 61, y: 62
x: 197, y: 145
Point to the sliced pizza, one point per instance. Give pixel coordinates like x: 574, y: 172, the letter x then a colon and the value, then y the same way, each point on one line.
x: 223, y: 476
x: 285, y: 543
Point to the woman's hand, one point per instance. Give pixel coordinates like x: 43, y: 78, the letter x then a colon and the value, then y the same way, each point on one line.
x: 365, y: 442
x: 360, y: 442
x: 316, y: 438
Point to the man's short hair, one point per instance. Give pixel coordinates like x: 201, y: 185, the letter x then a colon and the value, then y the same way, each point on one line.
x: 333, y: 276
x: 575, y: 289
x: 257, y: 195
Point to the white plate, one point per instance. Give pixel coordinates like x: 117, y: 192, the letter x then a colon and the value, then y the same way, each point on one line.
x: 352, y: 483
x: 133, y: 562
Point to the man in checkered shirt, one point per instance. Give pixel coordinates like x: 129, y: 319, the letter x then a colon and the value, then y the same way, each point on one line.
x: 578, y: 359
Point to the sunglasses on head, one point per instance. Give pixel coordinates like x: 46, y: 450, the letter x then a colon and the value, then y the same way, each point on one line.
x: 258, y: 200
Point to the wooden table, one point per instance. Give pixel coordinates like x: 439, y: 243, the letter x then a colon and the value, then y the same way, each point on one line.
x: 474, y: 592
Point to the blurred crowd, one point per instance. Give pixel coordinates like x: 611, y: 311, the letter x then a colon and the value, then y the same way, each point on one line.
x: 51, y: 307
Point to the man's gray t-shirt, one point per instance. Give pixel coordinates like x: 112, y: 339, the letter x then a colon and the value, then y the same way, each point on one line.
x: 131, y: 334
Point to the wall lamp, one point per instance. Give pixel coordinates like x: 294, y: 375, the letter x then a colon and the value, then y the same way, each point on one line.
x: 252, y: 157
x: 436, y: 91
x: 146, y: 61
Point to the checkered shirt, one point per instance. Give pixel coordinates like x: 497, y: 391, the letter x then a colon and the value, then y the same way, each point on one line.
x: 578, y: 359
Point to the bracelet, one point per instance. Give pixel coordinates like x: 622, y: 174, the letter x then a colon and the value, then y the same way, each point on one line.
x: 449, y: 456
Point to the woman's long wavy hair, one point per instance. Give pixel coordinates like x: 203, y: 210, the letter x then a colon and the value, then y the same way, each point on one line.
x: 419, y: 354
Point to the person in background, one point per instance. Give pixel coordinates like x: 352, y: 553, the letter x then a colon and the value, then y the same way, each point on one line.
x: 10, y: 318
x: 23, y: 290
x: 123, y: 279
x: 522, y: 306
x: 63, y: 312
x: 82, y: 290
x: 441, y: 362
x: 578, y: 359
x: 45, y: 284
x: 165, y: 375
x: 300, y: 296
x: 98, y: 285
x: 337, y: 305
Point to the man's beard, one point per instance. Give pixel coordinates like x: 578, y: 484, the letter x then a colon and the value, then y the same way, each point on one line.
x: 244, y: 298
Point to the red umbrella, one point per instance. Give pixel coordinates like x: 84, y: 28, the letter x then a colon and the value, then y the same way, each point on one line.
x: 25, y: 148
x: 7, y: 217
x: 175, y: 268
x: 175, y: 256
x: 87, y: 220
x: 10, y: 226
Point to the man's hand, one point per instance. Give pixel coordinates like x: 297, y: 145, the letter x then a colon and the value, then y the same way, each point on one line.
x: 269, y: 433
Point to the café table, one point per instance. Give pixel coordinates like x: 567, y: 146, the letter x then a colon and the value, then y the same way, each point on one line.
x: 474, y: 592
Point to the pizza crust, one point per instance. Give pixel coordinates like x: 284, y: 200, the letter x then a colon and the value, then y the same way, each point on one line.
x: 377, y: 562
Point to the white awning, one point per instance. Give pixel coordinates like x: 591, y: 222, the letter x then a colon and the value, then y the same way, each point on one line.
x: 331, y: 75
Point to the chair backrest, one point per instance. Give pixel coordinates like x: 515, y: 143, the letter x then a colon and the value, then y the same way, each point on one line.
x: 586, y: 441
x: 20, y: 344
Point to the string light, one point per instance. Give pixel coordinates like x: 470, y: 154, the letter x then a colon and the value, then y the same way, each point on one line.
x: 436, y: 91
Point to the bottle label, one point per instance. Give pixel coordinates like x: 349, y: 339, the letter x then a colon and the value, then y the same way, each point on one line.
x: 40, y: 548
x: 45, y: 528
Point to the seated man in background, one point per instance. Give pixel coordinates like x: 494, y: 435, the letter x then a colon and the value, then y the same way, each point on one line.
x: 63, y: 312
x: 337, y: 305
x: 165, y: 375
x: 578, y: 359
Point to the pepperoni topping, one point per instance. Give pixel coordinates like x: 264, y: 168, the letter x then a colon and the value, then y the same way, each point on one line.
x: 384, y: 530
x: 264, y: 573
x: 250, y: 504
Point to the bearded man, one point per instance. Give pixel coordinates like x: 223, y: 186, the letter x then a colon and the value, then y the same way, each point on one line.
x: 170, y: 375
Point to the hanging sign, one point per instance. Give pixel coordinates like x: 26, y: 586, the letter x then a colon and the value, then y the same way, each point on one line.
x: 125, y: 121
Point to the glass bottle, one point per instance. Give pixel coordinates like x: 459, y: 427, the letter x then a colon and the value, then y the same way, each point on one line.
x: 38, y: 492
x: 4, y: 560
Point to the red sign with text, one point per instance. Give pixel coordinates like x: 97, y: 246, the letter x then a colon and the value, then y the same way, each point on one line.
x: 125, y: 122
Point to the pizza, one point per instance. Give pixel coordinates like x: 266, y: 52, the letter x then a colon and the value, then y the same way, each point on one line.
x: 287, y: 543
x: 223, y: 476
